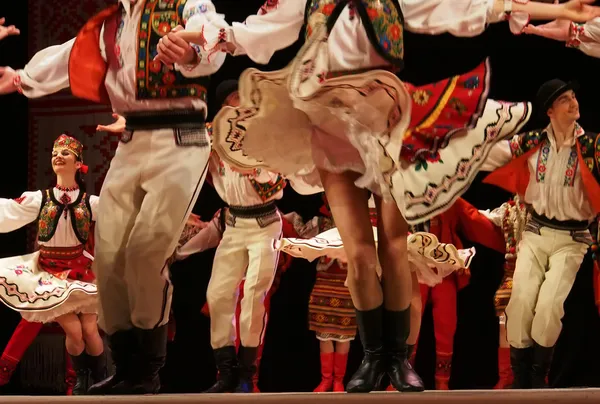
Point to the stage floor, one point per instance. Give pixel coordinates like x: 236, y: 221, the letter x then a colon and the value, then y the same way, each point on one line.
x: 569, y: 396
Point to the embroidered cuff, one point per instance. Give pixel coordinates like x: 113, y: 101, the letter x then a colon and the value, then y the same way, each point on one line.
x: 18, y: 84
x: 575, y: 31
x: 517, y: 21
x: 197, y: 60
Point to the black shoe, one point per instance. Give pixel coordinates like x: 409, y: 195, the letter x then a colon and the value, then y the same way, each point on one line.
x: 227, y: 365
x: 521, y: 362
x: 123, y: 348
x: 247, y: 369
x: 97, y: 366
x: 82, y: 372
x: 542, y: 359
x: 372, y: 369
x: 396, y: 328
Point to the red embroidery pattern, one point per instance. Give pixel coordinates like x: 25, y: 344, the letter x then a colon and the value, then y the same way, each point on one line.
x: 269, y: 6
x: 19, y: 200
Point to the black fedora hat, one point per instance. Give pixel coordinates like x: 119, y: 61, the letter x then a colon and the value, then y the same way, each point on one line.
x: 550, y: 91
x: 224, y: 90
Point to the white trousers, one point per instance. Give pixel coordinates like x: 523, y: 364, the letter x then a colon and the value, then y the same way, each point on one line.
x: 149, y: 191
x: 547, y: 264
x: 246, y: 249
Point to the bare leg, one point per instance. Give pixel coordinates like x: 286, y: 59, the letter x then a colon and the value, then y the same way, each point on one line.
x: 349, y: 206
x: 326, y: 346
x: 416, y: 311
x: 74, y: 333
x: 342, y: 347
x: 350, y: 211
x: 93, y: 342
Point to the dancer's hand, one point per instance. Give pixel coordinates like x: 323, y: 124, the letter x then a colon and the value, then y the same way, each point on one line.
x: 580, y: 10
x: 7, y: 31
x: 7, y: 80
x: 192, y: 36
x: 174, y: 49
x: 116, y: 127
x: 195, y: 221
x: 557, y: 30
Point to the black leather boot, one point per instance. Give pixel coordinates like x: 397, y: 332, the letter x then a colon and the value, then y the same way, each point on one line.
x: 227, y: 365
x: 372, y: 369
x: 123, y: 347
x: 152, y: 357
x: 247, y: 369
x: 521, y: 362
x: 396, y: 328
x: 80, y: 366
x: 542, y: 359
x: 97, y: 365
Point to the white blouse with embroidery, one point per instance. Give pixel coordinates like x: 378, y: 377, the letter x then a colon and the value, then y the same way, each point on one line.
x: 238, y: 189
x: 16, y: 213
x: 276, y: 28
x: 591, y: 32
x: 48, y: 71
x: 555, y: 188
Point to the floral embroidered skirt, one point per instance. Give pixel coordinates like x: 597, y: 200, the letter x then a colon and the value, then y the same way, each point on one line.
x: 331, y: 314
x: 42, y: 288
x: 431, y: 260
x: 420, y: 146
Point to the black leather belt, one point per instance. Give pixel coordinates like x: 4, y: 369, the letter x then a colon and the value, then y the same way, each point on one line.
x: 175, y: 119
x: 252, y: 212
x: 560, y: 224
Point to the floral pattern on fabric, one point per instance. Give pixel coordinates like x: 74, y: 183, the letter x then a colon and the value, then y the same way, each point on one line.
x: 153, y: 79
x: 382, y: 18
x: 48, y: 218
x: 542, y: 161
x: 439, y: 110
x: 269, y: 6
x: 521, y: 144
x: 572, y: 165
x: 268, y: 189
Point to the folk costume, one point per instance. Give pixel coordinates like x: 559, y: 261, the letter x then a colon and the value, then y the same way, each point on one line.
x: 210, y: 237
x: 561, y: 183
x: 57, y: 279
x: 156, y: 174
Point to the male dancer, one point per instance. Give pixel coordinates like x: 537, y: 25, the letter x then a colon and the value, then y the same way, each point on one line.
x: 157, y: 172
x: 557, y: 173
x: 252, y: 224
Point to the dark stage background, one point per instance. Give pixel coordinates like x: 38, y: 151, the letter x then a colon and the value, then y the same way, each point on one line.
x: 291, y: 356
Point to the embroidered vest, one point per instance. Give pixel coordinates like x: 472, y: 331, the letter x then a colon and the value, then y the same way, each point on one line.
x: 51, y: 212
x: 87, y: 68
x: 154, y: 80
x: 382, y: 19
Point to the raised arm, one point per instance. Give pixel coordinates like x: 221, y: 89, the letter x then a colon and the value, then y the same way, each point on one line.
x: 7, y: 31
x: 582, y: 36
x: 470, y: 17
x: 46, y: 73
x: 16, y: 213
x: 201, y: 16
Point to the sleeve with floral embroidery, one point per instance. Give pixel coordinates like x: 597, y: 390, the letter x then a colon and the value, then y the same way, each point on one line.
x: 201, y: 15
x: 586, y: 37
x: 16, y: 213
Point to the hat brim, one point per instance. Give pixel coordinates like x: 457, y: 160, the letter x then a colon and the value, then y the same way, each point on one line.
x: 571, y: 85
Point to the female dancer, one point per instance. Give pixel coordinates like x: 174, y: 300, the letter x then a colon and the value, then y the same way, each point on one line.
x: 337, y: 117
x: 56, y: 284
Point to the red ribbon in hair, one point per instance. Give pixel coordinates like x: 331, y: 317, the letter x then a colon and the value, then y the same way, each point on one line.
x: 84, y: 169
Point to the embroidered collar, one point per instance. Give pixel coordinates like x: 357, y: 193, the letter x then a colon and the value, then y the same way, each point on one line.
x: 65, y: 189
x: 579, y: 131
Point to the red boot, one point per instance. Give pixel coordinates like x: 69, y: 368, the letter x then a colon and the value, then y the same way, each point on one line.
x: 326, y: 373
x: 443, y: 368
x: 340, y: 360
x: 21, y: 339
x: 504, y: 370
x: 70, y: 376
